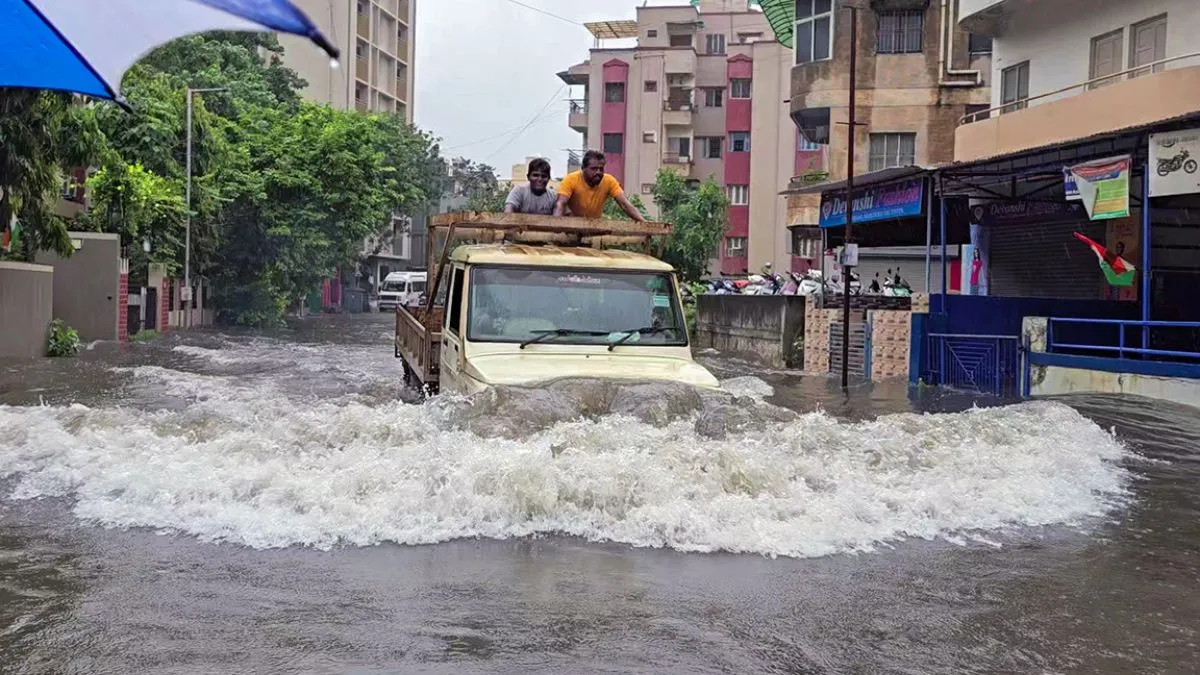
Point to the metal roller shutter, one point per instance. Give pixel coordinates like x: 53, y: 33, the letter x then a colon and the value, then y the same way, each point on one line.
x: 1044, y: 261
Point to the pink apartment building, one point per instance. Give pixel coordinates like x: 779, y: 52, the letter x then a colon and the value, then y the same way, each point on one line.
x: 701, y: 90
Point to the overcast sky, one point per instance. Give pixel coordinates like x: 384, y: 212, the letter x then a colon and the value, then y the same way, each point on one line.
x: 485, y: 68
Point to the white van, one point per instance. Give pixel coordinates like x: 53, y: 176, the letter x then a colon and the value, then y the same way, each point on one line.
x: 401, y: 289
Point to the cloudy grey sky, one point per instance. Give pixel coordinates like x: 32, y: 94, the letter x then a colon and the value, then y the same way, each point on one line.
x: 485, y: 68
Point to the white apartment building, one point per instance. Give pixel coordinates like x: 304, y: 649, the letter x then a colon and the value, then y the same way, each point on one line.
x: 376, y: 38
x: 1070, y: 69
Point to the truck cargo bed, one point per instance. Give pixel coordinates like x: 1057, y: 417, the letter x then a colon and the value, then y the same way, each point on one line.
x: 419, y: 341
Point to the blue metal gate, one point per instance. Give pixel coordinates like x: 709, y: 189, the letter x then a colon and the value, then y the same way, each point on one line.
x: 989, y: 364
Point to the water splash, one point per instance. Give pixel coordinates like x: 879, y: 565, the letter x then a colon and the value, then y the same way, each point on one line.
x: 647, y: 465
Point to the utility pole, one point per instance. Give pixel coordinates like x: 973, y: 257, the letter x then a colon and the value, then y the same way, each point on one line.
x: 187, y: 235
x: 852, y: 124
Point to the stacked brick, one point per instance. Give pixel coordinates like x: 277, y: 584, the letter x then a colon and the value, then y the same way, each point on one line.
x: 816, y: 337
x: 891, y: 341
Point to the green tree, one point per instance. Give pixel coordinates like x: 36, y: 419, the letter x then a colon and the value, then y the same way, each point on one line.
x: 699, y: 216
x: 42, y: 136
x: 613, y: 210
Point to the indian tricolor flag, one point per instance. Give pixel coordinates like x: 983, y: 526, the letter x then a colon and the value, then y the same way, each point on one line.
x: 1116, y: 269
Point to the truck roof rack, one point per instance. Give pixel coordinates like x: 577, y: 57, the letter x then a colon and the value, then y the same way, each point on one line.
x: 516, y: 225
x: 528, y: 228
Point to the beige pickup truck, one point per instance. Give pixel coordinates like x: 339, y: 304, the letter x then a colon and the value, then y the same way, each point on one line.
x: 537, y: 298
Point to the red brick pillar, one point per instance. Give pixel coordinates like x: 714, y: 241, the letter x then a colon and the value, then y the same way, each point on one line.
x: 123, y: 308
x: 164, y: 306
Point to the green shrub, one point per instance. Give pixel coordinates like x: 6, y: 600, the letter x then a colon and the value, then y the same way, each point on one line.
x: 144, y: 335
x: 64, y: 340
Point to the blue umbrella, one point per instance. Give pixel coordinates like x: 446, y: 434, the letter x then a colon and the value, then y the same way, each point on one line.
x: 85, y: 46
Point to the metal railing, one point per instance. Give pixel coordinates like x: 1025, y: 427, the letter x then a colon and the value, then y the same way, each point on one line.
x: 676, y: 158
x: 1112, y: 78
x: 578, y: 106
x: 1122, y: 347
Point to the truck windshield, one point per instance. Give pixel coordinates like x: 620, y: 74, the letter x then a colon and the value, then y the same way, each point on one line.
x: 509, y: 304
x: 393, y: 286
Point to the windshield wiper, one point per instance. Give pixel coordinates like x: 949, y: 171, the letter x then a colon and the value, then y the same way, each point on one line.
x: 648, y: 330
x: 541, y: 335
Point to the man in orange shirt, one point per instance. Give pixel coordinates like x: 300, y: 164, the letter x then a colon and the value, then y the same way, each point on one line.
x: 586, y: 191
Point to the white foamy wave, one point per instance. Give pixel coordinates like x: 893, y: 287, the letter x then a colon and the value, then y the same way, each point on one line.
x: 749, y: 386
x: 221, y: 356
x: 274, y: 474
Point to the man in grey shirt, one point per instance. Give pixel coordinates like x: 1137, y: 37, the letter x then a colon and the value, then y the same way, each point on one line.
x: 533, y: 197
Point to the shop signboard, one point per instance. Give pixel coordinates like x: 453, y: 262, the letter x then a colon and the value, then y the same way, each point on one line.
x: 878, y: 202
x: 1173, y: 163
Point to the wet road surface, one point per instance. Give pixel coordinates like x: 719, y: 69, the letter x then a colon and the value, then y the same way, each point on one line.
x: 232, y: 502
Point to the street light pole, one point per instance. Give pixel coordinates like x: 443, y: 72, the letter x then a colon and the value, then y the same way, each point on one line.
x: 847, y: 269
x: 187, y: 235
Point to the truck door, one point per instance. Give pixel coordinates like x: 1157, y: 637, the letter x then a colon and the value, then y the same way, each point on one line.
x: 452, y: 331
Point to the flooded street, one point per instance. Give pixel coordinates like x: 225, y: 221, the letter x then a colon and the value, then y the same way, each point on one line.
x: 240, y: 502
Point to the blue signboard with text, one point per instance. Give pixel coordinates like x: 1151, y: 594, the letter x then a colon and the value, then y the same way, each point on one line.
x: 879, y: 202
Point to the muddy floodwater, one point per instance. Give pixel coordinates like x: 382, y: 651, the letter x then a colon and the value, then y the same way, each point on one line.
x: 238, y: 502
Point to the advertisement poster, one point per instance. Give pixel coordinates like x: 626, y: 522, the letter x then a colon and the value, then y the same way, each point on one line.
x: 1173, y: 163
x: 1102, y: 186
x: 974, y: 261
x: 1123, y: 237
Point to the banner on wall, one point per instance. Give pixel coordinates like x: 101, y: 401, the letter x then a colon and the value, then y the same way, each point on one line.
x: 1174, y: 169
x: 1102, y: 186
x: 974, y: 258
x: 1123, y: 237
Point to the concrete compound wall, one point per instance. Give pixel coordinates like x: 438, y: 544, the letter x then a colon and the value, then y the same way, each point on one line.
x: 761, y: 328
x: 26, y: 309
x: 87, y: 285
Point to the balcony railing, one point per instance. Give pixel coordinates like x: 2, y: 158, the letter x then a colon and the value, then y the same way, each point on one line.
x: 676, y: 158
x: 578, y: 106
x: 1079, y: 87
x: 680, y: 100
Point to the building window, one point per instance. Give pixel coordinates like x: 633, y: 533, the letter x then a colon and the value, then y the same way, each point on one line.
x: 1108, y: 58
x: 1014, y: 87
x: 739, y: 195
x: 651, y: 33
x: 803, y: 245
x: 739, y: 87
x: 614, y: 92
x: 814, y: 30
x: 650, y: 86
x: 892, y: 150
x: 649, y: 137
x: 979, y: 44
x: 614, y: 144
x: 900, y: 32
x: 805, y: 145
x: 749, y: 38
x: 681, y: 40
x: 735, y: 247
x: 739, y: 141
x: 710, y: 147
x: 1147, y: 44
x: 647, y: 188
x: 714, y: 97
x: 976, y: 113
x: 715, y: 43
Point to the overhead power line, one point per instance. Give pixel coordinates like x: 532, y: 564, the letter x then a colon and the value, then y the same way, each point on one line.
x: 528, y: 124
x: 540, y: 118
x: 539, y: 10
